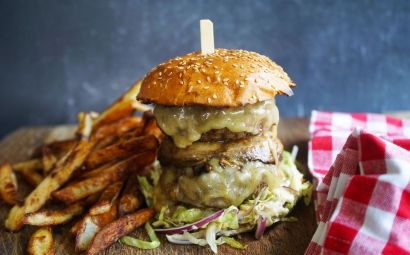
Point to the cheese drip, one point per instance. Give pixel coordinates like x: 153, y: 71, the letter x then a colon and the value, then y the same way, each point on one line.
x: 186, y: 124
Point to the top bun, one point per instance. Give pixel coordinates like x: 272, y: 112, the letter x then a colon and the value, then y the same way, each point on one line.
x: 225, y: 78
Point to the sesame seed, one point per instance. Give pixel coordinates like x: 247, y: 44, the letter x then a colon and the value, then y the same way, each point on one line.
x: 235, y: 65
x: 203, y: 70
x: 253, y: 65
x: 216, y: 67
x: 190, y: 88
x: 226, y: 80
x: 241, y: 75
x: 170, y: 73
x: 241, y: 66
x: 218, y: 79
x: 208, y: 79
x: 209, y: 100
x: 225, y: 83
x: 206, y: 87
x: 160, y: 73
x: 236, y: 82
x: 214, y: 96
x: 181, y: 82
x: 216, y: 72
x: 199, y: 81
x: 155, y: 82
x: 180, y: 75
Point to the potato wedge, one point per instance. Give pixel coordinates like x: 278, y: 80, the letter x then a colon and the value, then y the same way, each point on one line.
x: 122, y: 149
x: 120, y: 127
x: 118, y: 228
x: 8, y: 185
x: 84, y: 188
x: 97, y: 171
x: 29, y: 165
x: 151, y: 127
x: 32, y: 177
x: 39, y: 196
x: 122, y: 108
x: 92, y: 223
x: 49, y: 160
x: 41, y: 242
x: 131, y: 197
x: 107, y: 199
x: 57, y: 217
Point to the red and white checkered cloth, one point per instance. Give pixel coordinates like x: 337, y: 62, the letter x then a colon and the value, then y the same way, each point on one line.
x: 361, y: 163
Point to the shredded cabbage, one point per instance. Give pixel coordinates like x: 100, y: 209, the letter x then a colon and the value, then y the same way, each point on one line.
x: 131, y: 241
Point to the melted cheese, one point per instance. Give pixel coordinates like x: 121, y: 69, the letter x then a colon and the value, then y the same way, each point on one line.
x: 221, y: 187
x: 186, y: 124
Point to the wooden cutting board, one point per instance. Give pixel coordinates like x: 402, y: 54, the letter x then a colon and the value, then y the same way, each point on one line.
x: 282, y: 238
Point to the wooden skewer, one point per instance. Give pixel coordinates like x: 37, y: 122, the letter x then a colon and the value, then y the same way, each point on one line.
x: 207, y: 36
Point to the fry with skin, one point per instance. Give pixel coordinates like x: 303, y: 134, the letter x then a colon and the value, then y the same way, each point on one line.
x: 107, y: 199
x: 39, y: 196
x: 97, y: 171
x: 47, y: 217
x: 8, y: 185
x: 92, y: 223
x: 29, y: 165
x: 119, y: 228
x: 122, y: 108
x: 32, y: 177
x: 121, y: 149
x: 84, y: 188
x: 131, y: 197
x: 151, y: 127
x: 41, y: 242
x: 48, y: 159
x: 120, y: 127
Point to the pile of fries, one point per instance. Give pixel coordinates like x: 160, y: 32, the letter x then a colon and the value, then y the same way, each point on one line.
x: 91, y: 178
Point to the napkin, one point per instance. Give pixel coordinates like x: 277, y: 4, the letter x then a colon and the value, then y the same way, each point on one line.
x: 361, y: 165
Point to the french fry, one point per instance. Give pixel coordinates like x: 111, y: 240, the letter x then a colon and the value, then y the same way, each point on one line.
x: 58, y: 148
x: 8, y: 184
x: 120, y: 127
x: 95, y: 184
x: 41, y: 242
x: 131, y: 197
x: 48, y: 159
x: 32, y: 177
x: 121, y: 150
x: 118, y: 228
x: 57, y: 217
x: 29, y: 165
x: 107, y: 199
x: 92, y: 223
x: 76, y: 227
x: 97, y: 171
x: 39, y: 196
x: 122, y: 108
x: 151, y: 127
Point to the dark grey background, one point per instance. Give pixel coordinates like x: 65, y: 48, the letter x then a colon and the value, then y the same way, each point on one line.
x: 61, y: 57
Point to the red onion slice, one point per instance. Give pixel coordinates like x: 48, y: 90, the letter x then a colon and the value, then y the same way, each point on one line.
x: 261, y: 226
x: 192, y: 226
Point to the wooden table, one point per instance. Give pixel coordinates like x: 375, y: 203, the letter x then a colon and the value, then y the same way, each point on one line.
x: 282, y: 238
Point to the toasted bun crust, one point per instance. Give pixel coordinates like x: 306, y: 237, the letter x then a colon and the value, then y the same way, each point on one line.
x: 226, y: 78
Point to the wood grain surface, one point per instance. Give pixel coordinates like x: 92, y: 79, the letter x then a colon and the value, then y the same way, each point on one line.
x: 282, y: 238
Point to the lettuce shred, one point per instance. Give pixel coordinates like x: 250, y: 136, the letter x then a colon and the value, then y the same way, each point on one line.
x: 141, y: 244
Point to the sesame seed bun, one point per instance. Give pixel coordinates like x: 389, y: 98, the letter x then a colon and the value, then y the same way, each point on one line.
x: 226, y: 78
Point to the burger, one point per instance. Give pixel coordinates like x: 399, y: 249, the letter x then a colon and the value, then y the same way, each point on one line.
x: 221, y: 168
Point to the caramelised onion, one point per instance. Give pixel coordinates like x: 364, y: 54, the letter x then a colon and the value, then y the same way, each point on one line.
x: 261, y: 226
x: 191, y: 226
